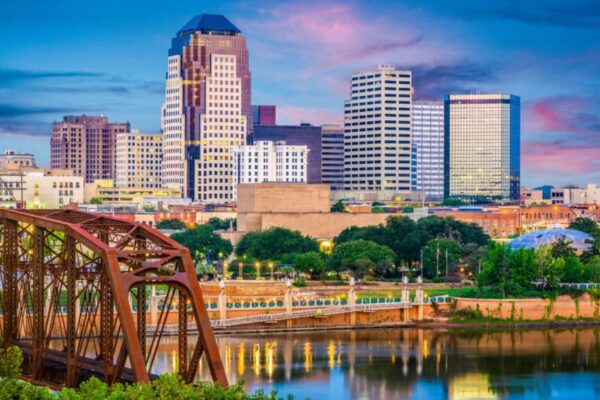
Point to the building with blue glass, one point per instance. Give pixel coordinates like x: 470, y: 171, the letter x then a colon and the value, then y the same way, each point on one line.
x: 482, y: 147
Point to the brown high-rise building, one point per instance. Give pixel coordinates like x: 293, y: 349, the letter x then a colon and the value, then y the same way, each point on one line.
x: 207, y: 110
x: 86, y: 145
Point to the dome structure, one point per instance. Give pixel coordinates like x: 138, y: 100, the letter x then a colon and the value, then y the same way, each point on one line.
x: 579, y: 240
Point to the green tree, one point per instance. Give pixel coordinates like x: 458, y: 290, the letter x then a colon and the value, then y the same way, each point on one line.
x: 373, y: 233
x: 550, y: 269
x: 402, y: 235
x: 311, y: 263
x: 338, y: 207
x: 201, y: 239
x: 435, y: 251
x: 222, y: 224
x: 274, y: 244
x: 592, y: 270
x: 563, y: 248
x: 452, y: 202
x: 361, y: 257
x: 573, y: 271
x: 170, y: 224
x: 96, y: 200
x: 11, y: 359
x: 506, y: 271
x: 585, y: 225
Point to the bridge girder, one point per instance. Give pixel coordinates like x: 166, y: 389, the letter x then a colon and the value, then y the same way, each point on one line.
x: 103, y: 266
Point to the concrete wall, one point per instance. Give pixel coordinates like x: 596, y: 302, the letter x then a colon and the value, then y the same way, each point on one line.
x: 283, y: 197
x: 534, y: 309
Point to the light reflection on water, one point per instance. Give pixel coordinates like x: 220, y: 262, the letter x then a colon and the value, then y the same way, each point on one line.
x: 411, y: 363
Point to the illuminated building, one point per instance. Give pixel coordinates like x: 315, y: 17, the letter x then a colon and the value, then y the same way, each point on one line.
x: 139, y: 159
x: 482, y: 146
x: 207, y: 108
x: 40, y: 188
x: 428, y: 141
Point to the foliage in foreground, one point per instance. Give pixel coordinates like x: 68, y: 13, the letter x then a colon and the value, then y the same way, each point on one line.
x: 167, y: 387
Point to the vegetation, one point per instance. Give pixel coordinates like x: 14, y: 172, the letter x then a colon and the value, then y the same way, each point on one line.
x: 311, y: 263
x: 222, y: 224
x: 170, y: 224
x: 275, y: 244
x: 338, y: 207
x: 202, y: 239
x: 452, y: 202
x: 96, y: 200
x: 167, y: 387
x: 361, y: 257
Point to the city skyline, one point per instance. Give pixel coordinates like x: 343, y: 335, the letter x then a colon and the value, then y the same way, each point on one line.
x: 111, y: 61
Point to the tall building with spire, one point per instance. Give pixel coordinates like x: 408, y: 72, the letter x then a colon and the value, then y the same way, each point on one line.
x: 207, y: 109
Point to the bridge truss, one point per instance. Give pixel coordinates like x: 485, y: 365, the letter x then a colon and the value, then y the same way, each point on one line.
x: 101, y: 268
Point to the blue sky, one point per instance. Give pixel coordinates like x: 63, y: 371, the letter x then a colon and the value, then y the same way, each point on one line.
x: 109, y: 57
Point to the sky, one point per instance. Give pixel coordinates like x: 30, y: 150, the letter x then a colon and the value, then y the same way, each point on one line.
x: 60, y: 57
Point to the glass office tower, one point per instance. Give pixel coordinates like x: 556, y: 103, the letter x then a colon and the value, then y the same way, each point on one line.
x: 428, y: 141
x: 482, y: 146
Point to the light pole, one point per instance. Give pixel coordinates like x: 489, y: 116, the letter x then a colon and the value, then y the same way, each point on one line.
x: 241, y: 268
x: 271, y: 266
x: 257, y: 265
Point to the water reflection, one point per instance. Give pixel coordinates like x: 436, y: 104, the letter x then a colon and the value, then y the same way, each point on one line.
x: 412, y: 363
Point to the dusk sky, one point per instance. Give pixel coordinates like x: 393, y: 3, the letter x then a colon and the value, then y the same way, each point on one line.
x: 73, y: 57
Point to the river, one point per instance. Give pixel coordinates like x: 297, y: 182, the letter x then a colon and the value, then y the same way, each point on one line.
x: 410, y: 363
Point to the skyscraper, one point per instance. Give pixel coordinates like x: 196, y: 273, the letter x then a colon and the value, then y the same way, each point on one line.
x: 377, y: 132
x: 482, y: 150
x: 332, y: 158
x: 428, y: 141
x: 86, y: 145
x: 207, y: 108
x: 139, y: 159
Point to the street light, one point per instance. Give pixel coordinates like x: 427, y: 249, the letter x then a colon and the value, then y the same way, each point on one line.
x: 271, y: 266
x: 257, y: 266
x: 241, y: 267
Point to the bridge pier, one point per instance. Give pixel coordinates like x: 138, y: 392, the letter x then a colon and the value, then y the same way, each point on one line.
x: 352, y: 302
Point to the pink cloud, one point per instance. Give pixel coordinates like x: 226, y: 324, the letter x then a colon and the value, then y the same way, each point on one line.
x: 556, y: 114
x: 560, y: 163
x: 289, y: 114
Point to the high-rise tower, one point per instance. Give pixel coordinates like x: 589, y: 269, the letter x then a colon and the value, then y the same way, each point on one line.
x: 377, y: 132
x: 483, y: 150
x: 207, y: 108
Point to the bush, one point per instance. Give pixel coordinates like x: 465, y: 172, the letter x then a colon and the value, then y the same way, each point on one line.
x: 299, y: 283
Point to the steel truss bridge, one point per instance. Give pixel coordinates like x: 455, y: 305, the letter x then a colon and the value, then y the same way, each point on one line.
x: 102, y: 265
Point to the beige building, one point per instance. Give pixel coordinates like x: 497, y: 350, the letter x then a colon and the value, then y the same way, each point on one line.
x: 139, y: 159
x: 305, y: 208
x: 588, y: 195
x: 38, y: 188
x: 11, y: 159
x: 531, y: 197
x: 107, y: 192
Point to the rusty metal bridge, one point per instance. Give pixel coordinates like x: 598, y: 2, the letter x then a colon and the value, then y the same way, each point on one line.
x: 49, y: 258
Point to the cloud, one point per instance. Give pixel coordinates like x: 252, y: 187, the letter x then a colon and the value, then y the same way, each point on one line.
x: 14, y: 111
x: 570, y: 14
x: 290, y: 114
x: 573, y: 115
x: 432, y: 81
x: 13, y: 76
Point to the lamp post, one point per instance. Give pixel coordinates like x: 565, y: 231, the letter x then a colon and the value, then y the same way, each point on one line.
x: 257, y: 265
x: 241, y: 268
x: 271, y: 266
x: 225, y: 270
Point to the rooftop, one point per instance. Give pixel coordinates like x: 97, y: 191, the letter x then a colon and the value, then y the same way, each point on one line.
x: 211, y: 24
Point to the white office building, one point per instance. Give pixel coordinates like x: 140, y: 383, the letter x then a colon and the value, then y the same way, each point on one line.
x: 377, y: 132
x: 139, y: 159
x: 267, y: 161
x: 428, y: 142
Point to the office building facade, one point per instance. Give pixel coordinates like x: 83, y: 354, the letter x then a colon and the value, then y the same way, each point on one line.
x: 428, y: 142
x: 264, y: 115
x: 377, y: 132
x: 207, y: 108
x: 482, y: 146
x: 139, y: 159
x: 86, y: 145
x: 332, y: 157
x: 268, y: 161
x: 296, y: 135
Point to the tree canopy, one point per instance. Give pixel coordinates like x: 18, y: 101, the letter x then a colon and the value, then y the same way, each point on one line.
x: 173, y: 224
x: 362, y: 257
x: 585, y: 225
x: 201, y: 239
x: 275, y: 244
